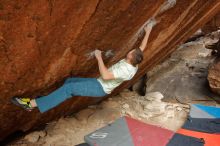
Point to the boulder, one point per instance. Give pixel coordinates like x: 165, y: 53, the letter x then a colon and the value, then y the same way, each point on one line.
x: 214, y: 77
x: 43, y: 42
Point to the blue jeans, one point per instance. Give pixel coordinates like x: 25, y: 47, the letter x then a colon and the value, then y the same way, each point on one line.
x: 71, y: 87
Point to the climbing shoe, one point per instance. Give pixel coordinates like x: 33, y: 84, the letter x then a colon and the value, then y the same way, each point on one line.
x: 22, y: 102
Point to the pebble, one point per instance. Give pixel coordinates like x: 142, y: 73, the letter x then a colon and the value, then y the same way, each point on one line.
x: 154, y: 96
x: 35, y: 136
x: 123, y: 112
x: 129, y: 113
x: 203, y: 54
x: 142, y: 115
x: 125, y: 106
x: 179, y: 108
x: 92, y: 106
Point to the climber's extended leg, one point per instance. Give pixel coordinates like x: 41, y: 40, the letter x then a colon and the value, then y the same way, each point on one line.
x: 85, y: 87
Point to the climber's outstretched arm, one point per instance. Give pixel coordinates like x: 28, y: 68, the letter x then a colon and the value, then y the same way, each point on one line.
x: 147, y: 29
x: 105, y: 73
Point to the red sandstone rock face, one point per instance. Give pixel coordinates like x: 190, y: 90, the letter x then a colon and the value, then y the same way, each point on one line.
x: 214, y: 77
x: 212, y: 25
x: 42, y: 42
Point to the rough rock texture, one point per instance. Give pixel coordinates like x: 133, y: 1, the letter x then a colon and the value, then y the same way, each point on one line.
x: 183, y: 76
x: 212, y: 25
x: 44, y: 41
x: 214, y: 77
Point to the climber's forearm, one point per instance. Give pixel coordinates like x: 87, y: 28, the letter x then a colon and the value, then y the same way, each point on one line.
x: 105, y: 73
x: 145, y: 40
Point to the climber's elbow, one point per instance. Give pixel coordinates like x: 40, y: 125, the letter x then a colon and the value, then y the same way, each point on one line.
x: 108, y: 76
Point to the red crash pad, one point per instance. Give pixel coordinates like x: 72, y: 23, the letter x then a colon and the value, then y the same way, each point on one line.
x: 210, y: 139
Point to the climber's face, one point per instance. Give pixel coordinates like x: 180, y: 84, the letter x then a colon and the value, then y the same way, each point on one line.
x: 130, y: 55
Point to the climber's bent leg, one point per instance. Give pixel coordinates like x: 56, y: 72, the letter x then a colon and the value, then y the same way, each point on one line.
x: 89, y: 87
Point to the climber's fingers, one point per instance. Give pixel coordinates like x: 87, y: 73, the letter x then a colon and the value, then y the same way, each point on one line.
x: 151, y: 23
x: 98, y: 53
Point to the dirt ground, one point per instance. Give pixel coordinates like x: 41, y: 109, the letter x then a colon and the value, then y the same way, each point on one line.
x: 171, y: 87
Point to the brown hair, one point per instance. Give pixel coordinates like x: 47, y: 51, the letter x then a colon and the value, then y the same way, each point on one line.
x: 137, y: 56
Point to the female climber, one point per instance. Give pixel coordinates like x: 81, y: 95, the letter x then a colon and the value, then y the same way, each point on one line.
x: 110, y: 78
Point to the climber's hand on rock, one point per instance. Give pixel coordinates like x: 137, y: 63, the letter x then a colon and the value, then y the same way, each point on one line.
x: 150, y: 24
x: 148, y: 28
x: 98, y: 54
